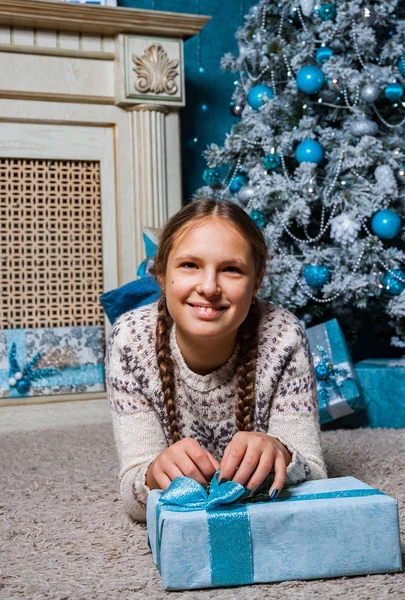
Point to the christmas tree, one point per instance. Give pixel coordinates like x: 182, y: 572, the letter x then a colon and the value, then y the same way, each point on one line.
x: 317, y: 155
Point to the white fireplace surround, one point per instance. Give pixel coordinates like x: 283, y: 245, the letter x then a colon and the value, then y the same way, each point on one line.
x: 96, y: 83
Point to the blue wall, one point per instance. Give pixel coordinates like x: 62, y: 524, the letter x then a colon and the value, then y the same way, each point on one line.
x: 211, y: 88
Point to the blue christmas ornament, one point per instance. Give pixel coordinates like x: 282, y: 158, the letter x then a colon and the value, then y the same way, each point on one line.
x: 322, y: 371
x: 386, y: 224
x: 271, y: 161
x: 310, y: 79
x: 309, y: 151
x: 317, y: 275
x: 238, y: 182
x: 392, y: 285
x: 258, y: 217
x: 22, y: 386
x: 327, y: 12
x: 323, y: 54
x: 211, y: 176
x: 256, y: 94
x: 401, y: 65
x: 394, y: 91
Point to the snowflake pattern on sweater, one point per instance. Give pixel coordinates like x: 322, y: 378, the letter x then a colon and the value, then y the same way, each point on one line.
x: 285, y: 398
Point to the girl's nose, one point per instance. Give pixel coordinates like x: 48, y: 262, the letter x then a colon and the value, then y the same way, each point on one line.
x: 209, y: 285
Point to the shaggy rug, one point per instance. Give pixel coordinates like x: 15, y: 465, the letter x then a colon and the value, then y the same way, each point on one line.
x: 65, y: 535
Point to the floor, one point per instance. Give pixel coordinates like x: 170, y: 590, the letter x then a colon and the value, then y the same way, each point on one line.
x: 53, y: 415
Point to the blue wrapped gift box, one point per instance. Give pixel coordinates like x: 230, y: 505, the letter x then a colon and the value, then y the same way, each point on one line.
x: 56, y: 360
x: 382, y: 384
x: 338, y: 389
x: 317, y: 529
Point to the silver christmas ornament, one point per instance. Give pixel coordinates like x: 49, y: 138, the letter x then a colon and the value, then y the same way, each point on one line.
x: 368, y: 15
x: 247, y: 192
x: 310, y: 190
x: 370, y: 93
x: 307, y: 7
x: 344, y: 229
x: 363, y: 127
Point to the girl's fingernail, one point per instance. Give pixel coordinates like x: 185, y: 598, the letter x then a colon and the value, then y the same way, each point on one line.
x: 273, y: 494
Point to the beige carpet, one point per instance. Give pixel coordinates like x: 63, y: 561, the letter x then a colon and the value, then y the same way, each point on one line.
x: 65, y: 536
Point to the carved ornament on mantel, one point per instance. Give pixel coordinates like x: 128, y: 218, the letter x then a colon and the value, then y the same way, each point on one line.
x: 155, y: 71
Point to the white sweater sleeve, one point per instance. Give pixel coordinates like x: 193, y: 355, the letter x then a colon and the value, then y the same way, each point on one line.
x: 294, y: 417
x: 139, y: 438
x: 138, y: 432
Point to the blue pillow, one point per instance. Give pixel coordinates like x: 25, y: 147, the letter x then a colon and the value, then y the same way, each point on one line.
x: 131, y: 295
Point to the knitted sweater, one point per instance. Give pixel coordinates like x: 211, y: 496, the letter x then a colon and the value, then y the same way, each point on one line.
x: 285, y: 399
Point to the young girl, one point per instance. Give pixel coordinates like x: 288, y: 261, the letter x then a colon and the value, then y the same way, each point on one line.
x: 210, y: 377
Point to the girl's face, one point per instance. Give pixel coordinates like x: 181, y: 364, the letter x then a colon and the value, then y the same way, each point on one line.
x: 210, y: 281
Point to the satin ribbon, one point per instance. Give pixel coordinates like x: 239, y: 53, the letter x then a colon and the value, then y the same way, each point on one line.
x: 229, y: 535
x: 230, y: 543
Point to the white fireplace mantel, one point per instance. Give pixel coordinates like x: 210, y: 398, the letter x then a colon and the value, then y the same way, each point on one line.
x: 67, y: 66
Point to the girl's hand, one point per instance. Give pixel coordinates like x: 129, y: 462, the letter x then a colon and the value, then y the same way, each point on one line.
x: 255, y: 455
x: 185, y: 457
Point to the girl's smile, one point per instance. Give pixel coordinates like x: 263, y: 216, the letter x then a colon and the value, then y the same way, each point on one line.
x: 210, y: 282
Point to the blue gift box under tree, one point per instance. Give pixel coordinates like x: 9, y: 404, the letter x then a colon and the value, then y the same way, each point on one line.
x: 382, y: 384
x: 338, y: 389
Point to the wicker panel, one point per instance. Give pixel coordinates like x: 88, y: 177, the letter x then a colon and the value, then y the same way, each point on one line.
x: 50, y: 243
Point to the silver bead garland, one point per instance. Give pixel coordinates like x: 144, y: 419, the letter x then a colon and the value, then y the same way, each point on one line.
x: 226, y: 182
x: 356, y: 98
x: 384, y: 122
x: 323, y: 226
x: 298, y: 282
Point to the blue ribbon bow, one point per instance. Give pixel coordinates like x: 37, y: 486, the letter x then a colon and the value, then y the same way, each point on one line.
x: 190, y: 495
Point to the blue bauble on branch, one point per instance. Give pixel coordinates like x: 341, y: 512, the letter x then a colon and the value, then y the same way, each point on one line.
x: 401, y: 65
x: 256, y: 94
x: 258, y: 217
x: 211, y: 176
x: 323, y: 54
x: 271, y: 161
x: 327, y: 12
x: 310, y: 79
x: 237, y: 183
x: 392, y: 285
x: 317, y: 276
x: 394, y: 91
x: 386, y: 224
x: 309, y: 151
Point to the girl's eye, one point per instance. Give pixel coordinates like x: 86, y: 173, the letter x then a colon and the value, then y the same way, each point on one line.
x: 233, y: 269
x: 188, y: 265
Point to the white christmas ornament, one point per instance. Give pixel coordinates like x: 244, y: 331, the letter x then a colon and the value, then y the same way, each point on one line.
x: 344, y: 229
x: 307, y: 6
x: 385, y: 178
x: 247, y: 192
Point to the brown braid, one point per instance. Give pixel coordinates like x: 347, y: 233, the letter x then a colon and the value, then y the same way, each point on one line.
x: 246, y: 370
x: 166, y: 367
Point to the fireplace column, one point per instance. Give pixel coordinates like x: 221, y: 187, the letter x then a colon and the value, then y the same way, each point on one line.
x: 148, y: 130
